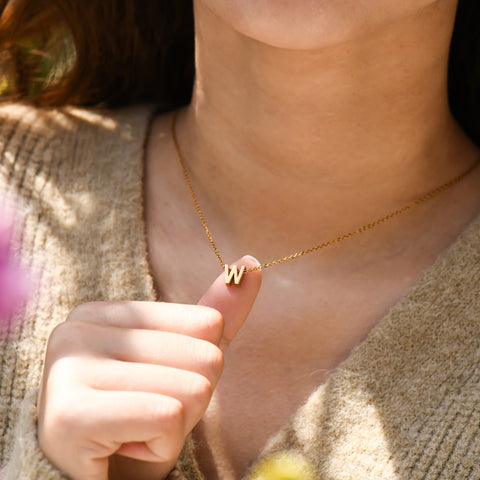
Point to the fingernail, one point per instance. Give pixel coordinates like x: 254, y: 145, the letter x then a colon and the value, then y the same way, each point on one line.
x: 252, y: 259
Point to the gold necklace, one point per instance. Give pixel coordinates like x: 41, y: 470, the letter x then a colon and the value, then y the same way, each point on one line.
x: 232, y: 273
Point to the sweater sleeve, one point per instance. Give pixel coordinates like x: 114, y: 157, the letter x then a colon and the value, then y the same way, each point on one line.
x: 27, y: 138
x: 27, y: 461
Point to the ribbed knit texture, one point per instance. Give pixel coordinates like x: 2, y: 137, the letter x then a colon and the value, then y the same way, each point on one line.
x: 404, y: 405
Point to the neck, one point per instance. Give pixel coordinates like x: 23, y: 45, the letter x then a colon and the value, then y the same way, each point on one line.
x: 348, y: 131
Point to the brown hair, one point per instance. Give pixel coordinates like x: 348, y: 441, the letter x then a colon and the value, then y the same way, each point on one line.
x: 124, y: 51
x: 464, y: 68
x: 127, y: 51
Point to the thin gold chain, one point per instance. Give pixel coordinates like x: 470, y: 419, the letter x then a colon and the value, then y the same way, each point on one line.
x: 363, y: 228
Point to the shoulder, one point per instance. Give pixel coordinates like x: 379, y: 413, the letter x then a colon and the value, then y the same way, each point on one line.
x: 76, y: 175
x: 22, y: 127
x: 65, y: 117
x: 69, y: 144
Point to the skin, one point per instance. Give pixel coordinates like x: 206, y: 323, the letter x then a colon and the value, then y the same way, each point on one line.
x: 308, y: 119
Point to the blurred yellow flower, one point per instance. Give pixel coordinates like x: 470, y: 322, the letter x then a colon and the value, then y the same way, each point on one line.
x: 284, y: 466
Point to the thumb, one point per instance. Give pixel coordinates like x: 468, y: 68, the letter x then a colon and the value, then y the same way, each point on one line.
x: 234, y: 302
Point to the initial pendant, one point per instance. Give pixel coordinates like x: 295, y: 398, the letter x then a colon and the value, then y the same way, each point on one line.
x: 232, y: 273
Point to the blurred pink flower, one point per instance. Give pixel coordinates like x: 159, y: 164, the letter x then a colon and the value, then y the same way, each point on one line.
x: 14, y: 282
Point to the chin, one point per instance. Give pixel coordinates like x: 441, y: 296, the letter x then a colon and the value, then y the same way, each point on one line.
x: 310, y: 24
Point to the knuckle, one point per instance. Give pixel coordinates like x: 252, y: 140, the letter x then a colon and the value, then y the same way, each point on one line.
x: 212, y: 360
x: 212, y: 323
x: 170, y: 415
x: 217, y: 360
x: 59, y: 336
x: 201, y: 389
x: 65, y: 338
x: 55, y: 336
x: 62, y: 428
x: 61, y: 418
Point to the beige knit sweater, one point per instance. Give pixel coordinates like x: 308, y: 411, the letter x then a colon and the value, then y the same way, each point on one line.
x: 405, y: 405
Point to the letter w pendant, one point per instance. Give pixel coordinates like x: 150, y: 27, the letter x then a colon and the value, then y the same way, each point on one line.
x: 232, y: 273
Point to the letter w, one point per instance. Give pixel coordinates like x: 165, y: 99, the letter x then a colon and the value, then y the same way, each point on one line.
x: 232, y: 273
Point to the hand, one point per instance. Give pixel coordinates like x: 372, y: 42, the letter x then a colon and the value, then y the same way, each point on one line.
x: 134, y: 378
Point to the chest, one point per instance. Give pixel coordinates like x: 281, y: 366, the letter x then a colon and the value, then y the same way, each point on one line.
x: 291, y: 341
x: 308, y: 317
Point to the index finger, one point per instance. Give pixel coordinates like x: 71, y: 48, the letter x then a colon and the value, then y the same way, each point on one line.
x: 197, y: 321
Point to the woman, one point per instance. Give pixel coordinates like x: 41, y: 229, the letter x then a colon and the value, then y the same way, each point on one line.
x: 308, y: 120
